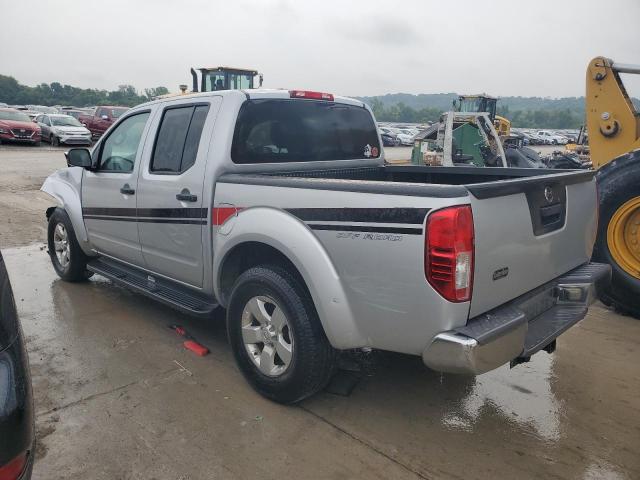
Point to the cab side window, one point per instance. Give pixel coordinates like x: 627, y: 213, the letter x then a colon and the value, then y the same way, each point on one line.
x: 178, y: 138
x: 118, y: 151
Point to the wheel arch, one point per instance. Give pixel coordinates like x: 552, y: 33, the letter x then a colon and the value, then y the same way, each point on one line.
x: 64, y: 186
x: 266, y: 235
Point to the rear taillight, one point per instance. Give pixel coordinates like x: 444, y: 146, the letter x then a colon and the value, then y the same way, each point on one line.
x: 449, y: 249
x: 14, y: 468
x: 310, y: 95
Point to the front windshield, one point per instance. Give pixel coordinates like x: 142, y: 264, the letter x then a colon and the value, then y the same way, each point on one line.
x: 14, y: 115
x: 65, y: 121
x: 117, y: 112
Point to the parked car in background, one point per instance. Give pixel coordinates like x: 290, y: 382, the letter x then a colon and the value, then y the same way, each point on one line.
x: 102, y: 118
x: 3, y: 105
x: 63, y: 129
x: 17, y: 435
x: 390, y: 137
x: 536, y: 139
x: 389, y: 140
x: 405, y: 137
x: 75, y: 113
x: 553, y: 139
x: 42, y: 109
x: 16, y: 126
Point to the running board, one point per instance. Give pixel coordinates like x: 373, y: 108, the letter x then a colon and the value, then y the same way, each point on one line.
x: 171, y: 293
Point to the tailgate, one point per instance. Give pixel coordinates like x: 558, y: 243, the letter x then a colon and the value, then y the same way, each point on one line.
x: 529, y: 231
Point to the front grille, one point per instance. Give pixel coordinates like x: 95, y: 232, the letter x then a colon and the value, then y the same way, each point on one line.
x: 22, y: 132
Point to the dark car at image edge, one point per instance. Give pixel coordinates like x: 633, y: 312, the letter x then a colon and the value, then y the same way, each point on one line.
x: 17, y: 435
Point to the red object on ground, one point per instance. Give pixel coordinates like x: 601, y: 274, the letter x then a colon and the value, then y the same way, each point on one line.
x: 181, y: 331
x: 196, y: 348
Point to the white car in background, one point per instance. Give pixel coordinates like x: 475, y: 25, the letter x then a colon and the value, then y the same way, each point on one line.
x: 553, y: 138
x: 58, y: 129
x: 405, y: 137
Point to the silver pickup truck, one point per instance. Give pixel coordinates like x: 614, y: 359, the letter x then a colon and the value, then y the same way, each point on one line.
x: 279, y: 207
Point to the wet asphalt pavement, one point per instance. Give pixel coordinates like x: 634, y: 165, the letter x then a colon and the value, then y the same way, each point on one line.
x: 118, y: 397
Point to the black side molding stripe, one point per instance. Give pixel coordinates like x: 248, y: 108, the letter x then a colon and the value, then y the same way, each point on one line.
x: 365, y: 228
x: 148, y: 212
x: 374, y: 215
x: 114, y: 218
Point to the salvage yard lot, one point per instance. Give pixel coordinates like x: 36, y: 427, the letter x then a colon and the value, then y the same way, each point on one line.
x: 117, y: 396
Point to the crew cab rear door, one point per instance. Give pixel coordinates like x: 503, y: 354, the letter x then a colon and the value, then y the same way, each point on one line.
x: 529, y: 231
x: 171, y: 212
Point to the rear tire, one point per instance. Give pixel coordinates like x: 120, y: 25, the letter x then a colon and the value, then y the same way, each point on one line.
x: 55, y: 142
x: 619, y: 183
x: 273, y: 291
x: 68, y: 259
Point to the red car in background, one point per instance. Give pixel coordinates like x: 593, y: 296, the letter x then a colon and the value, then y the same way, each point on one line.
x: 16, y: 126
x: 102, y: 119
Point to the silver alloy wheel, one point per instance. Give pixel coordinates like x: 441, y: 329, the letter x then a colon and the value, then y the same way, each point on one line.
x: 267, y: 336
x: 61, y: 245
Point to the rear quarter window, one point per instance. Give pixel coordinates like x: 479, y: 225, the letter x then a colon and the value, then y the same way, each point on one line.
x: 282, y: 130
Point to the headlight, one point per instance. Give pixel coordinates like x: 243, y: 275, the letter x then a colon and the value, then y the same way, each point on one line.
x: 4, y: 130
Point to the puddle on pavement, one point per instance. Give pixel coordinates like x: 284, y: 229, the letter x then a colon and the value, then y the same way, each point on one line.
x: 525, y: 398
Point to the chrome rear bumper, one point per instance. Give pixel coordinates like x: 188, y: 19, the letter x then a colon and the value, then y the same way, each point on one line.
x: 520, y: 328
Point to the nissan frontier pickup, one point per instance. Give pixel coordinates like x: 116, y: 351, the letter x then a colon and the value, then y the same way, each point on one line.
x: 278, y: 206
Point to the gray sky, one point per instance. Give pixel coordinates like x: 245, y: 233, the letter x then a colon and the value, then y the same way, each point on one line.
x: 511, y: 47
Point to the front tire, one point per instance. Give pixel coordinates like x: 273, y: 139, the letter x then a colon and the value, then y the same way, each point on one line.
x: 276, y: 336
x: 55, y: 141
x: 68, y: 259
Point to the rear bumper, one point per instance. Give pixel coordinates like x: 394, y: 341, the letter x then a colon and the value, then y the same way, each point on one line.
x: 520, y: 328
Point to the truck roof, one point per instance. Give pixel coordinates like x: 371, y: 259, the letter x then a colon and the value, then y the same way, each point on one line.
x: 255, y: 93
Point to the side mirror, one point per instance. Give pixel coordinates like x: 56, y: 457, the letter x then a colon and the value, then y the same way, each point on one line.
x: 78, y: 157
x: 104, y: 117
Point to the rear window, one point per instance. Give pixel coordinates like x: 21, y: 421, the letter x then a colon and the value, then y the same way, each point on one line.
x: 279, y: 130
x: 178, y: 139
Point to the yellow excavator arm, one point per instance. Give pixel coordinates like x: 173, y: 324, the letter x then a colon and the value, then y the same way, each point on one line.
x: 612, y: 120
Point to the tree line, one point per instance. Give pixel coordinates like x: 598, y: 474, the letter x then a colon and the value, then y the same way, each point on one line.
x: 14, y: 93
x: 528, y: 118
x: 531, y: 112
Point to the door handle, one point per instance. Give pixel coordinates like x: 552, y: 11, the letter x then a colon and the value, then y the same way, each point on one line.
x: 185, y: 196
x: 127, y: 190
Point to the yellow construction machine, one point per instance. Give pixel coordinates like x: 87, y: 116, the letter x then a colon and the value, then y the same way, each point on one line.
x: 220, y: 78
x: 484, y: 103
x: 613, y: 125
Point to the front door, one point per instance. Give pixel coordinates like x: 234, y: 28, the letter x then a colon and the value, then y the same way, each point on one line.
x: 171, y: 211
x: 109, y: 192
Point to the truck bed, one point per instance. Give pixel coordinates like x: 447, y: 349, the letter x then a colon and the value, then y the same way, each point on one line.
x: 416, y: 180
